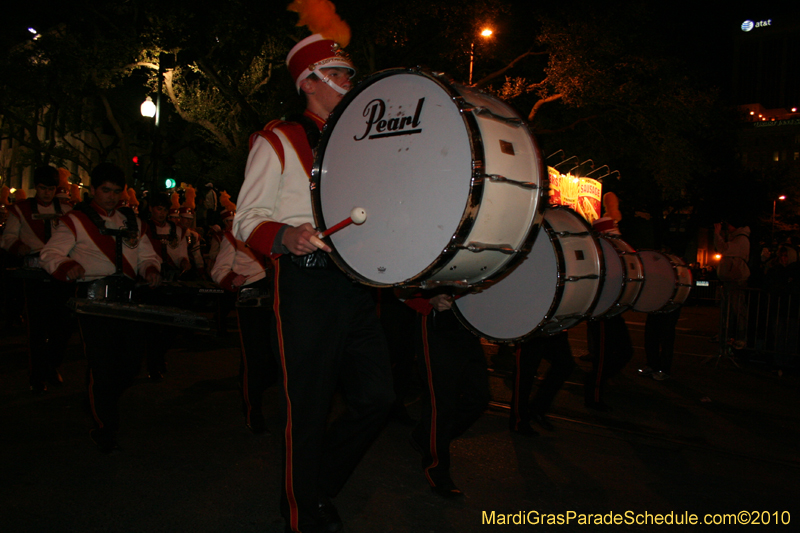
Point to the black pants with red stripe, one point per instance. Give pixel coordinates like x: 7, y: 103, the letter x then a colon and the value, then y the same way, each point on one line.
x: 455, y: 387
x: 114, y: 351
x: 528, y: 357
x: 259, y: 369
x: 610, y: 346
x: 328, y: 339
x: 50, y: 326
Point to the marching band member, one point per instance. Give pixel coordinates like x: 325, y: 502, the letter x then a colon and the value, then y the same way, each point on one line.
x: 194, y: 242
x: 31, y: 223
x: 326, y: 332
x: 241, y: 270
x: 170, y: 243
x: 82, y: 251
x: 455, y: 387
x: 609, y: 341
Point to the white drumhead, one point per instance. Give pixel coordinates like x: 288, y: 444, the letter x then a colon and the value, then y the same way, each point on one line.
x: 660, y: 282
x: 515, y: 305
x: 613, y: 281
x: 400, y: 148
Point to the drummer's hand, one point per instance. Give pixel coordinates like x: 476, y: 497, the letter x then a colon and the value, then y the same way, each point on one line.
x: 441, y: 302
x: 76, y: 272
x: 185, y: 266
x: 238, y: 281
x: 153, y: 278
x: 297, y: 239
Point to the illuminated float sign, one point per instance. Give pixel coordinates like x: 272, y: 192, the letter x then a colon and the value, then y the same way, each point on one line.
x: 581, y: 194
x: 749, y: 25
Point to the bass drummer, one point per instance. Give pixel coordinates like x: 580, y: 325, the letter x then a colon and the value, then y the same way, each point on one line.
x: 325, y: 332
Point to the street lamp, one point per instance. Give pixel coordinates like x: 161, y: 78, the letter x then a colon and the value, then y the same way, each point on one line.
x: 774, y: 204
x: 485, y: 33
x: 148, y: 108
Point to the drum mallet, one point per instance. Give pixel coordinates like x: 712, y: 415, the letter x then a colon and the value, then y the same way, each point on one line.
x: 358, y: 216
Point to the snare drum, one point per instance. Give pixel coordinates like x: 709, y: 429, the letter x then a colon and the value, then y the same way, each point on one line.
x: 667, y: 282
x: 553, y: 289
x: 451, y: 180
x: 623, y: 279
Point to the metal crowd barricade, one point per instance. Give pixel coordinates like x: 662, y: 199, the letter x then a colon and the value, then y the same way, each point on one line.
x: 762, y: 322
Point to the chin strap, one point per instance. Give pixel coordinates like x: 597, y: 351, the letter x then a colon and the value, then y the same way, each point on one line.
x: 330, y: 83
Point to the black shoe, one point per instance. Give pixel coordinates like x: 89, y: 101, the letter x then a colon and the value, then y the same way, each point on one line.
x: 525, y: 430
x: 542, y: 421
x: 443, y: 486
x: 257, y: 425
x: 105, y: 441
x: 328, y: 517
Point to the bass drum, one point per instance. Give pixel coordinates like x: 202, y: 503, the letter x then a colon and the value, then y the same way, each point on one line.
x: 553, y: 289
x: 451, y: 180
x: 667, y: 282
x: 623, y: 279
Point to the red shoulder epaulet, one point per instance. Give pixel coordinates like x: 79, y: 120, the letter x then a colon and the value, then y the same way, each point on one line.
x: 272, y: 138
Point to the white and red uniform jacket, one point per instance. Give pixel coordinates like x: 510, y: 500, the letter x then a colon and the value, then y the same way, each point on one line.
x: 78, y: 240
x: 176, y: 251
x: 23, y: 227
x: 276, y: 189
x: 235, y: 259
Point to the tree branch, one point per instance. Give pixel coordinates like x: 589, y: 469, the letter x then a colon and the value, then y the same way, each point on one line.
x: 541, y: 102
x: 487, y: 79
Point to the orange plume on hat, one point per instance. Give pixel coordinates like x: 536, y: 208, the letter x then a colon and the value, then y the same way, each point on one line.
x: 320, y: 17
x: 229, y: 208
x: 4, y: 192
x: 20, y: 195
x: 190, y: 196
x: 611, y: 206
x: 175, y: 200
x: 132, y: 200
x: 62, y: 191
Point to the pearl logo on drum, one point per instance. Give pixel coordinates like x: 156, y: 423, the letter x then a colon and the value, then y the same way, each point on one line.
x: 392, y: 127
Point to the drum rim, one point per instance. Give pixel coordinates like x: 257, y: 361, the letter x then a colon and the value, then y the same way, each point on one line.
x: 561, y: 260
x: 671, y: 304
x: 615, y: 308
x: 476, y: 188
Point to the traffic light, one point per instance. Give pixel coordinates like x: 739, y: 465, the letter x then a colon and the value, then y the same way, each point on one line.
x: 137, y: 170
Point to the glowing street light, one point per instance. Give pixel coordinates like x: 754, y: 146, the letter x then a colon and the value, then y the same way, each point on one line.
x: 774, y: 203
x: 148, y: 108
x: 485, y: 33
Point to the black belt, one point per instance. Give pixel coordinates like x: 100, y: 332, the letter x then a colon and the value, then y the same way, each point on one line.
x: 316, y: 259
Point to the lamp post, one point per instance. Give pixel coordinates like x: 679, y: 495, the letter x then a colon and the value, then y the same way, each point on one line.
x: 774, y: 204
x: 485, y: 33
x: 149, y: 109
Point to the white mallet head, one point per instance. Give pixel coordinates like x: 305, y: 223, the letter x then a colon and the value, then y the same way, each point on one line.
x: 358, y: 215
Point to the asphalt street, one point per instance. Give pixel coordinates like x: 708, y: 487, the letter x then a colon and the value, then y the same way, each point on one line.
x: 719, y: 441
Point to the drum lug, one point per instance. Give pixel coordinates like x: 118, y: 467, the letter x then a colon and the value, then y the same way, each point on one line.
x: 578, y: 278
x: 502, y: 179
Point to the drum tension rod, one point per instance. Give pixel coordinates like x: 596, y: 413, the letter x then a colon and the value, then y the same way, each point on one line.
x: 578, y: 278
x: 483, y: 247
x: 488, y: 113
x: 502, y: 179
x: 570, y: 234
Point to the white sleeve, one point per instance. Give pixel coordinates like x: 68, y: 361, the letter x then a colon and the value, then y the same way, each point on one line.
x: 224, y: 262
x: 260, y: 193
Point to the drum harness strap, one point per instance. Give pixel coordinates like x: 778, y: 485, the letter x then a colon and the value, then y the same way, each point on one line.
x: 48, y: 225
x: 129, y: 231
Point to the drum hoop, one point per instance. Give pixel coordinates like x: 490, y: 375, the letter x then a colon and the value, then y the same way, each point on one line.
x: 601, y: 258
x: 560, y: 284
x: 676, y: 285
x: 616, y: 306
x: 472, y: 207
